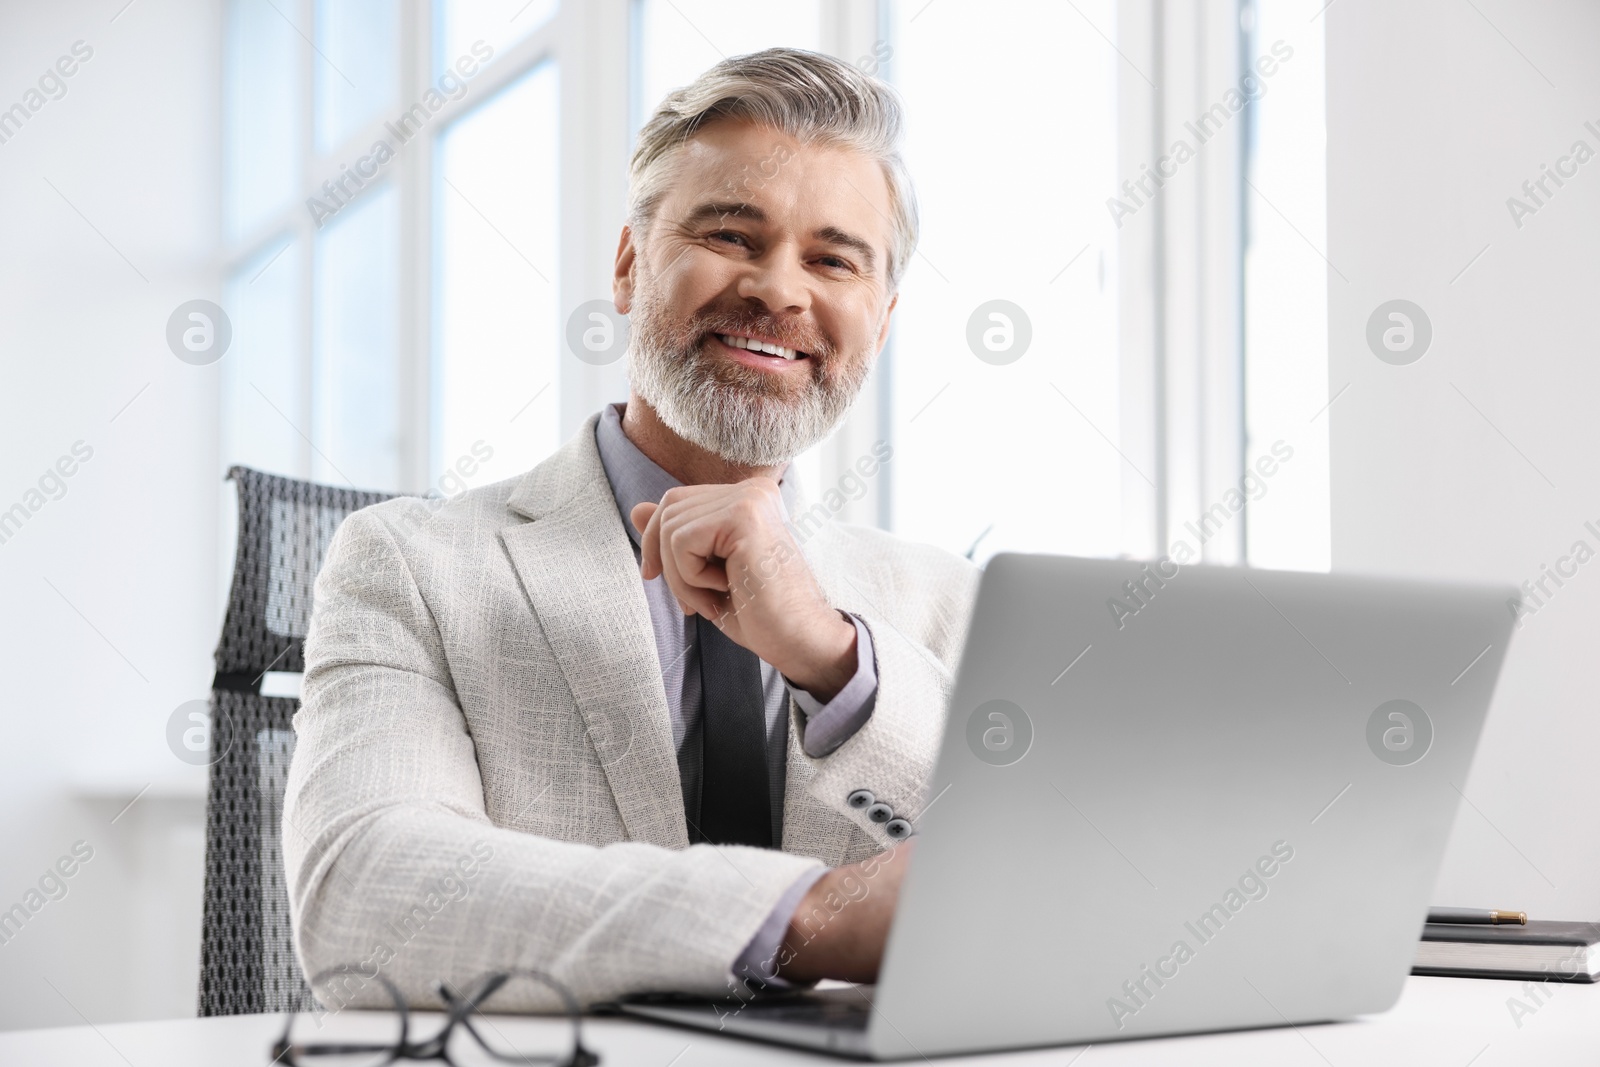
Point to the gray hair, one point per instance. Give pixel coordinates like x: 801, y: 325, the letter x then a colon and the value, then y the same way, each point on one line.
x: 814, y: 98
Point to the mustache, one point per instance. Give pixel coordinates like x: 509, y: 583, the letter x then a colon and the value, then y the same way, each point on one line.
x: 787, y: 335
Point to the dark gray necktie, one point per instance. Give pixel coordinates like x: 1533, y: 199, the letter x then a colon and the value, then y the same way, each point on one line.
x: 735, y: 803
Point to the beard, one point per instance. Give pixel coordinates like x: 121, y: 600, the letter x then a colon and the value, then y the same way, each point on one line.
x: 748, y: 417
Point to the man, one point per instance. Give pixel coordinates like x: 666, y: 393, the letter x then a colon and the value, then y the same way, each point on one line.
x: 620, y: 719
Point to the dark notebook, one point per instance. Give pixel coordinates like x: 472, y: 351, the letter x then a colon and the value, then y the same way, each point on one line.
x: 1563, y: 952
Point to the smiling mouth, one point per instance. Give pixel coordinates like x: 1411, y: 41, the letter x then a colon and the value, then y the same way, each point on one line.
x: 760, y: 347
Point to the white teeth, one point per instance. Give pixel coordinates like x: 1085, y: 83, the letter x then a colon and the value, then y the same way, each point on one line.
x: 758, y: 346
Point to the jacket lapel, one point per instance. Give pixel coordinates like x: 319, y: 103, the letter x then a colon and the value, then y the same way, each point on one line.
x: 577, y: 569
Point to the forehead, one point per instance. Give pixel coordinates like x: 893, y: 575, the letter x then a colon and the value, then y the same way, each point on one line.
x: 801, y: 186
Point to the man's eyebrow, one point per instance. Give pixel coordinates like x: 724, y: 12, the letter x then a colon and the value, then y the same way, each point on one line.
x: 834, y: 235
x: 717, y: 210
x: 721, y: 210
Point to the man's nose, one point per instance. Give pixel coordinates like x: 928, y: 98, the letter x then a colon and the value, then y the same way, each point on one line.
x: 778, y: 280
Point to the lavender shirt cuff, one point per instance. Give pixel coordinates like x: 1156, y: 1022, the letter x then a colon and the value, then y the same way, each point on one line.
x: 759, y: 960
x: 832, y: 724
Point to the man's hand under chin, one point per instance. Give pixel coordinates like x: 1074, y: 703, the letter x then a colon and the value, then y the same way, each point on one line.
x: 727, y: 554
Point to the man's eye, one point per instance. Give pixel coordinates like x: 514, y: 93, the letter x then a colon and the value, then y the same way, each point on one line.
x: 729, y: 234
x: 835, y: 261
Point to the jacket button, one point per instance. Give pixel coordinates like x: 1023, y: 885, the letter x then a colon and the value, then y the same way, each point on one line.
x: 880, y: 812
x: 898, y: 829
x: 861, y: 798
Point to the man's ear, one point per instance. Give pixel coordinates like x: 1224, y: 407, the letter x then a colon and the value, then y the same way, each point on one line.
x: 883, y: 334
x: 622, y: 273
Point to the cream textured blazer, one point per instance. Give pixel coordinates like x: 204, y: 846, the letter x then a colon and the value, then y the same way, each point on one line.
x: 484, y: 775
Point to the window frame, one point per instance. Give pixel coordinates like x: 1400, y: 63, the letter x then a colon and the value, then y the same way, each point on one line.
x: 1182, y: 281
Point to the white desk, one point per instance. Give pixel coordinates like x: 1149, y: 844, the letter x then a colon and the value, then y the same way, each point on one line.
x: 1443, y: 1021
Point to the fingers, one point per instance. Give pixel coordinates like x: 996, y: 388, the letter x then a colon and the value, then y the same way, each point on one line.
x: 677, y: 539
x: 695, y: 536
x: 689, y: 537
x: 641, y: 515
x: 688, y: 550
x: 645, y: 519
x: 667, y: 544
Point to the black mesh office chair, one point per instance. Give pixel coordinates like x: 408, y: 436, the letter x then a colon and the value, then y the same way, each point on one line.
x: 247, y: 960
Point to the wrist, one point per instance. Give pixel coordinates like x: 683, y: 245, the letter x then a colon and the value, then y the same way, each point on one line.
x: 827, y: 662
x: 804, y: 955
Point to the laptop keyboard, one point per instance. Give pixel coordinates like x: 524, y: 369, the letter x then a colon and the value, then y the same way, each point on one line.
x: 835, y: 1008
x: 839, y: 1008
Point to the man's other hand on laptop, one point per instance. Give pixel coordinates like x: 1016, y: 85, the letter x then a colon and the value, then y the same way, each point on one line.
x: 840, y: 928
x: 727, y: 554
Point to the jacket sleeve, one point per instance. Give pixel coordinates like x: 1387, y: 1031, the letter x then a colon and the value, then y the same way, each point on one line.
x: 916, y: 612
x: 393, y: 866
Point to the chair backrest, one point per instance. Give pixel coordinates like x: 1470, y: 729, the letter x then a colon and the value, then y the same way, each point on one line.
x: 247, y: 960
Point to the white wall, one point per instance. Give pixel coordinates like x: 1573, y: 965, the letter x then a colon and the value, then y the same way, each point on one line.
x: 108, y: 604
x: 1479, y: 460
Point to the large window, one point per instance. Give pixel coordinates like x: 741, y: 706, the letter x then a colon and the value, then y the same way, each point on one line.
x: 356, y: 79
x: 313, y: 385
x: 355, y: 380
x: 1287, y: 392
x: 500, y: 24
x: 393, y: 240
x: 264, y: 380
x: 264, y: 88
x: 1004, y: 378
x: 494, y: 405
x: 1083, y: 359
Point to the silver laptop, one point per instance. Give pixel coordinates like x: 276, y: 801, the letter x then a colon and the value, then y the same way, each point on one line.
x: 1168, y: 800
